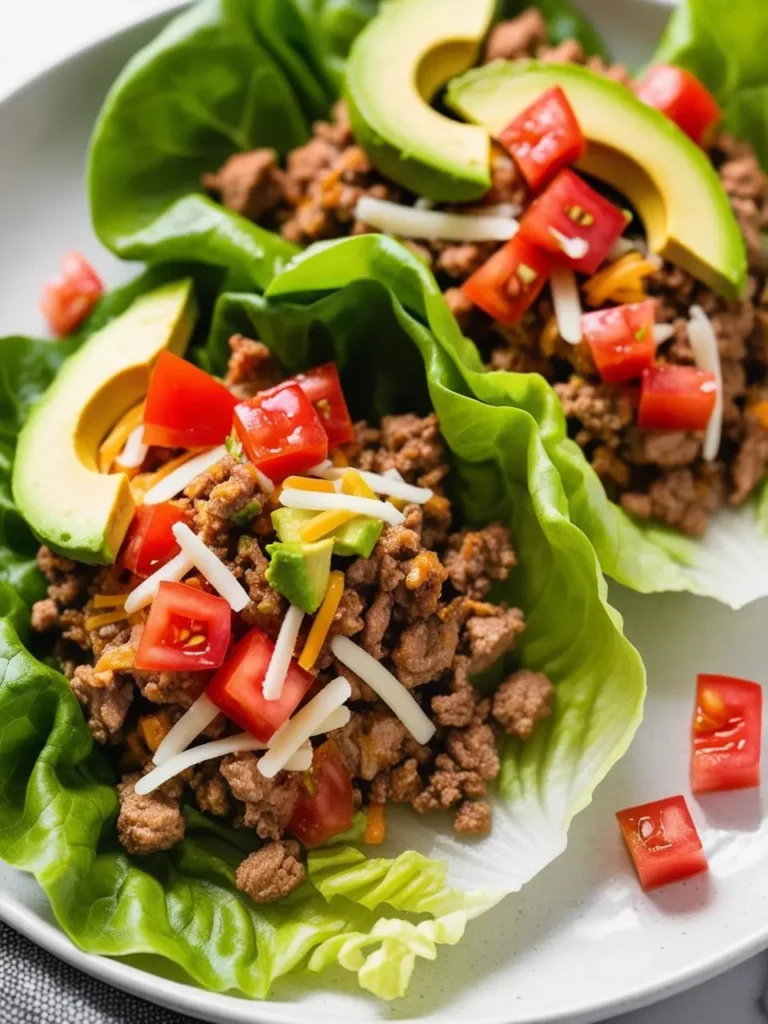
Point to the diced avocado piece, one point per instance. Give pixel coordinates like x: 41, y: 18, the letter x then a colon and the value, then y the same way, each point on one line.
x: 300, y: 571
x: 668, y: 179
x: 356, y: 537
x: 70, y: 506
x: 396, y: 66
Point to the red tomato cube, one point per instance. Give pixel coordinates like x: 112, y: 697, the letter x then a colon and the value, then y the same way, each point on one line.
x: 150, y: 542
x: 662, y: 841
x: 682, y: 97
x: 727, y: 734
x: 187, y: 630
x: 68, y: 300
x: 323, y: 388
x: 506, y: 284
x: 676, y: 398
x: 621, y: 340
x: 186, y: 407
x: 281, y: 432
x: 327, y: 806
x: 544, y: 138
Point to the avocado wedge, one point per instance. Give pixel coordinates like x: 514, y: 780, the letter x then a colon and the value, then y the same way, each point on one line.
x: 72, y: 507
x: 670, y: 181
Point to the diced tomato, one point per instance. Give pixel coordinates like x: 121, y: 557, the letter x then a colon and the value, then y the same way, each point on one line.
x: 281, y: 431
x: 187, y: 630
x: 662, y: 841
x: 327, y: 806
x: 323, y: 388
x: 506, y: 284
x: 727, y: 732
x: 676, y: 398
x: 237, y: 687
x: 149, y: 542
x: 621, y: 340
x: 544, y: 138
x: 186, y: 407
x: 68, y: 300
x: 682, y: 97
x: 570, y: 209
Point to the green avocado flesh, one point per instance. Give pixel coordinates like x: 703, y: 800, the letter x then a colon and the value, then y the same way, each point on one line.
x: 395, y: 68
x: 356, y: 537
x: 72, y: 507
x: 300, y: 571
x: 668, y: 179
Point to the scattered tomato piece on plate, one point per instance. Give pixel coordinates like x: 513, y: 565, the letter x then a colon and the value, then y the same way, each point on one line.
x: 544, y: 138
x: 727, y: 734
x: 676, y: 398
x: 683, y: 98
x: 68, y: 300
x: 187, y: 630
x: 662, y: 841
x: 185, y: 406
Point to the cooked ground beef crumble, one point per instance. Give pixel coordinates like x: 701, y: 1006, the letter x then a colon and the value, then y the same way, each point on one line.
x: 652, y: 475
x: 419, y: 603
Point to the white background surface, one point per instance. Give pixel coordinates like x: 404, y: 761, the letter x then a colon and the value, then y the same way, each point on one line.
x: 36, y: 33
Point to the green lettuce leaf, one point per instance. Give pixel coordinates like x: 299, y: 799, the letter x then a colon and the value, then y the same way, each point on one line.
x: 723, y: 43
x: 374, y: 917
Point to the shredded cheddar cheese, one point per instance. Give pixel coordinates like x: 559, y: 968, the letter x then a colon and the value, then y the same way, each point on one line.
x: 308, y: 483
x: 376, y: 825
x: 760, y: 409
x: 339, y: 459
x: 323, y: 620
x: 621, y: 281
x: 97, y: 621
x: 549, y: 336
x: 144, y: 482
x: 154, y: 728
x: 324, y: 523
x: 353, y: 483
x: 114, y: 442
x: 109, y: 600
x: 117, y: 660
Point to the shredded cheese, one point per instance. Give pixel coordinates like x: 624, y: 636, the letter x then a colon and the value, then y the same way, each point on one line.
x: 97, y: 621
x: 376, y: 825
x: 214, y: 570
x: 338, y: 458
x: 323, y: 524
x: 108, y: 601
x: 292, y: 498
x: 662, y: 333
x: 299, y: 728
x: 411, y: 222
x: 280, y: 661
x: 133, y: 454
x: 574, y: 248
x: 760, y: 409
x: 300, y: 761
x: 308, y: 483
x: 336, y: 720
x: 323, y: 620
x: 194, y: 720
x: 703, y: 339
x: 115, y: 440
x: 391, y: 690
x: 352, y: 483
x: 377, y: 482
x: 116, y: 660
x: 171, y: 572
x: 621, y: 281
x: 567, y: 304
x: 186, y: 468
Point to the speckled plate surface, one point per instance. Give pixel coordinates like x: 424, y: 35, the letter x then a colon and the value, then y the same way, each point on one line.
x: 580, y: 942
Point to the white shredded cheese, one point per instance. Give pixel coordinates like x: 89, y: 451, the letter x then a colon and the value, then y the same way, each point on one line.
x: 390, y: 689
x: 214, y: 570
x: 422, y: 203
x: 171, y: 572
x: 381, y: 483
x: 265, y: 483
x: 565, y: 299
x: 413, y: 222
x: 621, y: 247
x: 280, y: 661
x: 703, y: 339
x: 299, y: 728
x: 300, y: 761
x: 662, y: 333
x: 134, y: 450
x: 393, y: 474
x: 502, y: 209
x: 182, y: 477
x: 194, y: 720
x: 336, y: 720
x: 574, y: 248
x: 318, y: 501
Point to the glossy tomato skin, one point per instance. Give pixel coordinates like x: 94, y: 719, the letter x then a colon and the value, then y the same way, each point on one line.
x: 683, y: 98
x: 179, y: 616
x: 621, y: 340
x: 544, y: 138
x: 727, y: 734
x: 149, y: 542
x: 572, y: 208
x: 237, y: 687
x: 326, y: 806
x: 322, y: 387
x: 68, y: 300
x: 281, y: 431
x: 508, y: 283
x: 676, y: 398
x: 186, y: 407
x: 662, y: 841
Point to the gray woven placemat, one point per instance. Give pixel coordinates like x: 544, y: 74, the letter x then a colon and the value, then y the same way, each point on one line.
x: 36, y: 988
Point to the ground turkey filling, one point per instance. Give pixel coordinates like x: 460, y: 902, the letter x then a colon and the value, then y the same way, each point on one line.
x: 654, y: 475
x: 419, y: 604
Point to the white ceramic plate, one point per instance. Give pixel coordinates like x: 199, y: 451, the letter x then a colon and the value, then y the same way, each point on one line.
x: 580, y: 942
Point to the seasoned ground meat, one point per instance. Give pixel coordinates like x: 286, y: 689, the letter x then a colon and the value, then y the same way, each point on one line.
x: 45, y: 615
x: 479, y: 558
x: 448, y: 785
x: 105, y: 697
x: 473, y: 818
x: 149, y: 824
x: 518, y: 37
x: 426, y: 649
x: 211, y: 791
x: 269, y: 803
x: 251, y: 367
x: 474, y: 749
x: 248, y: 183
x: 491, y: 634
x: 521, y: 701
x: 272, y: 872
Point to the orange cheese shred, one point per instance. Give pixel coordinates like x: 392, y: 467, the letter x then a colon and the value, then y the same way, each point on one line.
x: 114, y: 442
x: 97, y: 621
x: 339, y: 458
x: 353, y: 483
x: 308, y: 483
x: 620, y: 278
x: 323, y: 620
x: 760, y: 409
x: 144, y: 482
x: 117, y: 660
x: 376, y: 825
x: 324, y: 523
x: 108, y: 600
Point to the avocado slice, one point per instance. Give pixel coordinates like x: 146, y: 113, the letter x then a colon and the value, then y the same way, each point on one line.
x: 395, y: 67
x: 70, y: 506
x: 300, y: 571
x: 358, y: 536
x: 671, y: 183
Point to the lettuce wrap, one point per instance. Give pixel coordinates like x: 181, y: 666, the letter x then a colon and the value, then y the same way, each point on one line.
x: 373, y: 916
